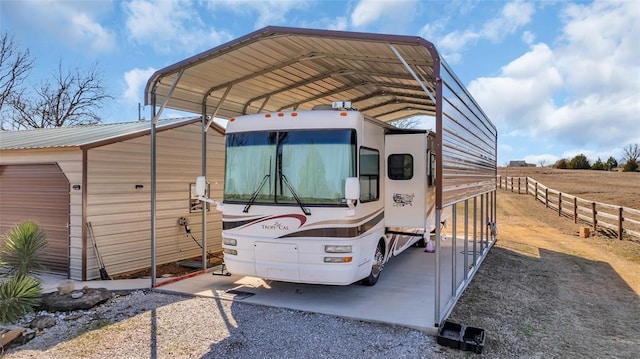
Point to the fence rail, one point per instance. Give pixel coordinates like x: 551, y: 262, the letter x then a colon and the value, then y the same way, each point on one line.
x: 624, y: 221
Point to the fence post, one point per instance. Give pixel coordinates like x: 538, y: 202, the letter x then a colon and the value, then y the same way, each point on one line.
x: 595, y: 219
x: 526, y: 185
x: 511, y: 184
x: 536, y: 184
x: 518, y: 185
x: 575, y: 210
x: 620, y: 219
x: 546, y: 198
x: 560, y: 204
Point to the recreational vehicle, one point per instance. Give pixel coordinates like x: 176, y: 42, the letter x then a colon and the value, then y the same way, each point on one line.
x: 324, y: 196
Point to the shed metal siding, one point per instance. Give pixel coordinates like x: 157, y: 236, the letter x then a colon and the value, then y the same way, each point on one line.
x: 120, y: 213
x: 38, y: 192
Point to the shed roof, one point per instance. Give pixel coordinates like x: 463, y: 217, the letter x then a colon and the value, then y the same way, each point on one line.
x: 283, y: 68
x: 87, y: 136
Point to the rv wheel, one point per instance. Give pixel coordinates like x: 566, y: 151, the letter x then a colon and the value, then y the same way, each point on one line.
x: 377, y: 263
x: 421, y: 243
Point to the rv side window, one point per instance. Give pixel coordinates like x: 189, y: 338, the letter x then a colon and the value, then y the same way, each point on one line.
x: 369, y: 174
x: 431, y: 168
x: 400, y: 166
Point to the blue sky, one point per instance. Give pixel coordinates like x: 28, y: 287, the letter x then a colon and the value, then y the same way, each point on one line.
x: 558, y: 78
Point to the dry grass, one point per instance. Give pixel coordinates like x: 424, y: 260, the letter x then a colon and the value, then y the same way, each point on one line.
x: 543, y: 292
x: 617, y: 188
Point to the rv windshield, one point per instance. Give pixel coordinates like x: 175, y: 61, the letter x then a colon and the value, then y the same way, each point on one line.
x: 315, y: 163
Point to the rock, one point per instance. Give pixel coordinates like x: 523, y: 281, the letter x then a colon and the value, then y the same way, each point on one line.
x: 9, y: 335
x: 55, y: 302
x: 73, y: 317
x: 42, y: 321
x: 77, y: 295
x: 66, y: 287
x: 85, y: 288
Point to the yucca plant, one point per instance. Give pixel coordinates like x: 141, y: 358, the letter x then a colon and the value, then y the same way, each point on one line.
x: 23, y: 248
x: 18, y: 295
x: 21, y: 251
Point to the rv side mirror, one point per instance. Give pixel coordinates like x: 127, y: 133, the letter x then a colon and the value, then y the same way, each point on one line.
x: 201, y: 185
x: 352, y: 188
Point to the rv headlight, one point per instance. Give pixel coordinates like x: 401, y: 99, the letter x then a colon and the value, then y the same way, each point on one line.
x: 338, y: 259
x: 337, y: 249
x: 229, y: 241
x: 230, y: 251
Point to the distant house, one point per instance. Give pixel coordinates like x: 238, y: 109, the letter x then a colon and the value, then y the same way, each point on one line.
x: 65, y: 177
x: 520, y: 164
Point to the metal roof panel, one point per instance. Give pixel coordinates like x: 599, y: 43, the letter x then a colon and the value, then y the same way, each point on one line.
x: 85, y: 135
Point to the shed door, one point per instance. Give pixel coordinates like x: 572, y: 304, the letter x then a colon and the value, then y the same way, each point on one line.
x: 39, y: 193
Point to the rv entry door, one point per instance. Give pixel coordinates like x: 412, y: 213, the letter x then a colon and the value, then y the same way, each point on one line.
x: 405, y: 192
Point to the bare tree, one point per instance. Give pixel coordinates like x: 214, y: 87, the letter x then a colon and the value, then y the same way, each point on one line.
x: 406, y: 123
x: 15, y: 66
x: 631, y: 152
x: 71, y: 98
x: 542, y: 163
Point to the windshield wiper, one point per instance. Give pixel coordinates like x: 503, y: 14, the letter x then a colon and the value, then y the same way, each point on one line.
x: 295, y: 195
x: 255, y: 193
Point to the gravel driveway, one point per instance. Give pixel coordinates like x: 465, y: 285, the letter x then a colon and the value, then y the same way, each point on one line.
x: 159, y: 325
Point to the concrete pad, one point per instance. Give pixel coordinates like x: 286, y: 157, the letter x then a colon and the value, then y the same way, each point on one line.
x: 404, y: 294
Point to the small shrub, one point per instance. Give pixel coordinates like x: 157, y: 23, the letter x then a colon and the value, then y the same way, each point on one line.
x: 561, y: 164
x: 630, y: 166
x: 23, y: 248
x: 18, y: 295
x: 579, y: 162
x: 598, y: 165
x: 611, y: 163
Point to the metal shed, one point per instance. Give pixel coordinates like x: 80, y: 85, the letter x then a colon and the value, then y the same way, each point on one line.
x: 65, y: 177
x: 388, y: 77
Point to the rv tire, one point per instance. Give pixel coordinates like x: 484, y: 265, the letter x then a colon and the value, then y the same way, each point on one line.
x: 377, y: 264
x: 421, y: 243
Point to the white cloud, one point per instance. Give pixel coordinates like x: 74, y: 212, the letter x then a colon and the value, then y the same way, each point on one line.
x: 514, y: 15
x: 394, y: 13
x: 270, y: 12
x: 135, y: 81
x: 340, y: 23
x: 169, y: 26
x: 584, y: 92
x: 74, y: 22
x: 522, y: 96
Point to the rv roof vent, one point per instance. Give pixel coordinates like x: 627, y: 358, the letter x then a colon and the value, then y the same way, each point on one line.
x: 322, y: 107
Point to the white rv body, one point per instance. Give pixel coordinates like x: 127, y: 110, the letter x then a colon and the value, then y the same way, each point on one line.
x: 285, y: 215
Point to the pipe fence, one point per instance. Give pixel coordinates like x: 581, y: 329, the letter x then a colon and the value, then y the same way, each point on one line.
x: 622, y: 221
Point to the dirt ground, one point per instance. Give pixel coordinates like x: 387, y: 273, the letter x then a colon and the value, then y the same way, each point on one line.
x: 617, y: 188
x: 543, y: 292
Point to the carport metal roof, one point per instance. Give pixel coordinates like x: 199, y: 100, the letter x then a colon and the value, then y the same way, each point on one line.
x: 389, y: 77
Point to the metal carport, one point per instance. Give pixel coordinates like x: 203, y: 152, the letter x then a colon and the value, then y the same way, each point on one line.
x: 388, y: 77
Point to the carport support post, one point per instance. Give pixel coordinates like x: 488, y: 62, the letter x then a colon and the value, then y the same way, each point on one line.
x: 204, y: 204
x: 454, y: 234
x: 466, y: 239
x: 153, y: 193
x: 475, y: 229
x: 436, y: 292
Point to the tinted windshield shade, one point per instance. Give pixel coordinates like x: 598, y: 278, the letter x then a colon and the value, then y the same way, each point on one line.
x: 315, y: 162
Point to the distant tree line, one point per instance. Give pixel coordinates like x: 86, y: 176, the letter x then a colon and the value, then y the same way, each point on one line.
x: 630, y: 156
